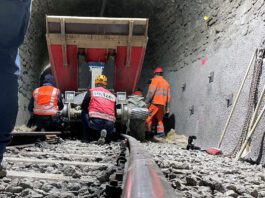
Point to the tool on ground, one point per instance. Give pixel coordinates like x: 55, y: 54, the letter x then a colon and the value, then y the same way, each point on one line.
x: 191, y: 146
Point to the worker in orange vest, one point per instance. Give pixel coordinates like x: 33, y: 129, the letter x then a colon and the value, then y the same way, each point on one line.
x: 45, y: 104
x: 98, y: 112
x: 158, y: 99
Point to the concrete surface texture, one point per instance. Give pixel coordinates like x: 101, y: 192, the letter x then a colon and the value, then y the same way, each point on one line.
x: 188, y: 47
x: 191, y: 49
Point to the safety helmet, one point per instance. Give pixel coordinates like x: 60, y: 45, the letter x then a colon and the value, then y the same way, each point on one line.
x: 138, y: 93
x: 101, y: 79
x: 48, y: 78
x: 158, y: 70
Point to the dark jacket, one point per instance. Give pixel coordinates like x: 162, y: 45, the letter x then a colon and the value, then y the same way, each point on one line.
x: 86, y: 101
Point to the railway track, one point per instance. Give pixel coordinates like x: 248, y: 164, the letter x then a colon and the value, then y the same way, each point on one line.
x: 69, y: 169
x: 76, y: 169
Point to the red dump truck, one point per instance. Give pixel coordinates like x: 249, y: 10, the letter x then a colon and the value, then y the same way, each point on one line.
x: 81, y: 48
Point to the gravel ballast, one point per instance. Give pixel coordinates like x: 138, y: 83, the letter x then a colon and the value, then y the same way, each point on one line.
x: 198, y: 174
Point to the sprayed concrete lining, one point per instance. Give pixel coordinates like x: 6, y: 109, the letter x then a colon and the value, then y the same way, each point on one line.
x: 186, y: 46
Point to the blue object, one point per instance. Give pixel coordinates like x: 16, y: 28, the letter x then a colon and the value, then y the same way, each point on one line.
x: 96, y: 64
x: 49, y: 80
x: 14, y: 17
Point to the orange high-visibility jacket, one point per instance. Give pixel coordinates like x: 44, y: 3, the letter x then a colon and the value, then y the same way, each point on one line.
x: 159, y: 91
x: 46, y: 100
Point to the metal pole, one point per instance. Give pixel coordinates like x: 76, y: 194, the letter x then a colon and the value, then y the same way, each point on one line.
x: 236, y: 100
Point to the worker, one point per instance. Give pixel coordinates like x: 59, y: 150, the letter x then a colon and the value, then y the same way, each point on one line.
x: 158, y: 100
x: 98, y: 112
x: 45, y: 104
x: 14, y: 17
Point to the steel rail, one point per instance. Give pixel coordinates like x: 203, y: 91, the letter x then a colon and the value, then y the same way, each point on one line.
x: 34, y: 133
x: 143, y: 178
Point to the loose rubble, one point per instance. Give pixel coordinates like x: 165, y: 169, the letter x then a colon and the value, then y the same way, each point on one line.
x: 84, y: 180
x: 198, y: 174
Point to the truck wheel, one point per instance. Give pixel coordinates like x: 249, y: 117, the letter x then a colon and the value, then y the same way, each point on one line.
x: 137, y: 129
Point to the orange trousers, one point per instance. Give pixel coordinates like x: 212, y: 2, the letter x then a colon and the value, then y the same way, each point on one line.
x: 155, y: 112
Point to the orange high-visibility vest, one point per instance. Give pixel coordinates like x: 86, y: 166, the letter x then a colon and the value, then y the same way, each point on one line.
x: 46, y: 100
x: 159, y: 91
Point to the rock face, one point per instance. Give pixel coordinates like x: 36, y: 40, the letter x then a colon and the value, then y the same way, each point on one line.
x: 189, y: 48
x: 207, y: 176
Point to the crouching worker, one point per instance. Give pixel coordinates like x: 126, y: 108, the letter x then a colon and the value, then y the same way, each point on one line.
x: 45, y: 105
x: 98, y: 112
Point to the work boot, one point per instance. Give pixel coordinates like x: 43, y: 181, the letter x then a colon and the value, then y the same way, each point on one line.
x: 2, y: 171
x: 103, y: 135
x: 159, y: 137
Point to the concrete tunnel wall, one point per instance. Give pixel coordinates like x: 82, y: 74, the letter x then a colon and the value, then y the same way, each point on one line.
x: 179, y: 40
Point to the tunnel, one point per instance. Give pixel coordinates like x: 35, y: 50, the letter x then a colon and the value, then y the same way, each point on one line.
x: 204, y: 60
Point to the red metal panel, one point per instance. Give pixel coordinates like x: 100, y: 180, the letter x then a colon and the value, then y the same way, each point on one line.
x: 126, y: 78
x: 66, y: 76
x: 96, y: 55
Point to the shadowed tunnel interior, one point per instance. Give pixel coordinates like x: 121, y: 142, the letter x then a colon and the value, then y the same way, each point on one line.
x: 184, y: 44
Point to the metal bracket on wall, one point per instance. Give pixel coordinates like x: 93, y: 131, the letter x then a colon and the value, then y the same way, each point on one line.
x: 229, y: 100
x: 211, y: 76
x: 191, y: 109
x: 183, y: 87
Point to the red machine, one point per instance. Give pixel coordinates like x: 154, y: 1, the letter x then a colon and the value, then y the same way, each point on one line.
x: 81, y: 48
x: 97, y: 39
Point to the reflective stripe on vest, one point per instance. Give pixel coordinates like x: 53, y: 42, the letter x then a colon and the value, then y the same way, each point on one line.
x: 102, y: 104
x: 48, y: 108
x: 159, y: 90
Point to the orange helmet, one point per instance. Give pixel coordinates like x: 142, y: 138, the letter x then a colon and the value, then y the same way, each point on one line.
x: 158, y: 70
x: 101, y: 79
